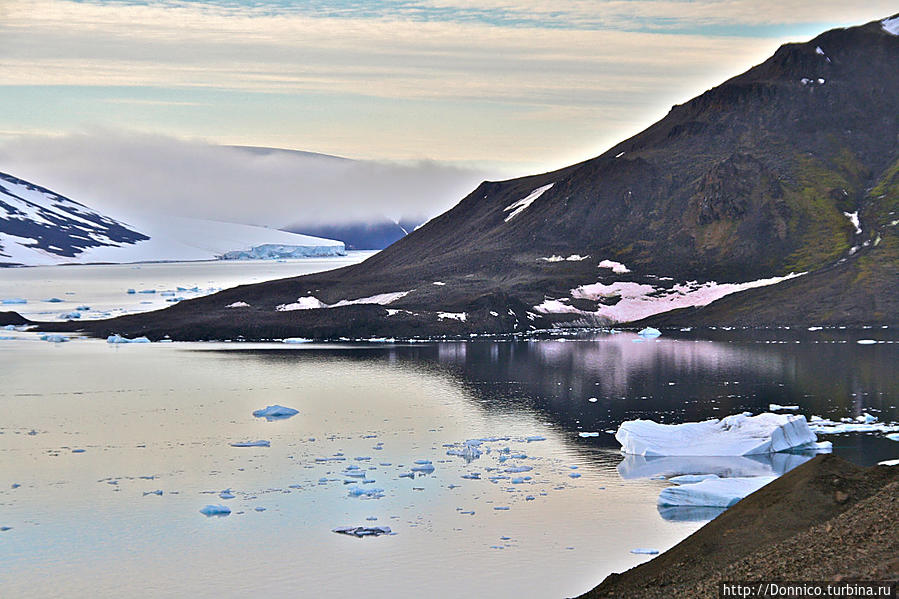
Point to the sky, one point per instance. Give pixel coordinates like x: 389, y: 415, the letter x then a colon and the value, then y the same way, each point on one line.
x: 469, y: 89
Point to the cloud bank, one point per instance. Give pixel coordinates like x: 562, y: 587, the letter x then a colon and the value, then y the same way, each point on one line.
x: 124, y: 174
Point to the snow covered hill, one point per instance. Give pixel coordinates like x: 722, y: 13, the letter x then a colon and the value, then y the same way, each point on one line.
x: 40, y: 227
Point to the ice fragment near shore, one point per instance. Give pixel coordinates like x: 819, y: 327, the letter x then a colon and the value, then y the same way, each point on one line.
x: 275, y: 412
x: 731, y: 436
x: 714, y: 492
x: 641, y: 551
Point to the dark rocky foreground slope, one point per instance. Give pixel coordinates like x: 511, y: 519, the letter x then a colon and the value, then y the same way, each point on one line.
x: 827, y: 520
x: 759, y: 177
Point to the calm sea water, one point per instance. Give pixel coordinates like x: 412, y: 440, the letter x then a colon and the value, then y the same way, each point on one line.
x: 161, y: 417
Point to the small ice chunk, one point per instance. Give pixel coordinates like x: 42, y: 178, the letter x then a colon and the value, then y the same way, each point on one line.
x: 866, y: 418
x: 275, y: 412
x: 216, y: 510
x: 515, y: 469
x: 238, y: 305
x: 259, y: 443
x: 866, y: 341
x: 13, y: 300
x: 777, y: 407
x: 713, y: 492
x: 893, y: 437
x: 296, y: 340
x: 593, y: 400
x: 650, y: 333
x: 357, y: 491
x: 534, y: 438
x: 423, y: 466
x: 226, y: 494
x: 53, y: 300
x: 363, y: 531
x: 591, y: 434
x: 643, y: 551
x: 54, y: 338
x: 574, y: 475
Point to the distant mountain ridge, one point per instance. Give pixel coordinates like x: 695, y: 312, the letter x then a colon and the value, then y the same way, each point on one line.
x: 41, y: 227
x: 770, y: 199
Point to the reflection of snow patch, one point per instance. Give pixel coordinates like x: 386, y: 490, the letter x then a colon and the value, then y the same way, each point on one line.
x: 238, y: 305
x: 519, y: 206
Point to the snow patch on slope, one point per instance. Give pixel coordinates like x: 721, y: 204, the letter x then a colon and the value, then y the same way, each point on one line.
x: 640, y: 300
x: 522, y: 204
x: 313, y: 303
x: 617, y: 267
x: 853, y: 218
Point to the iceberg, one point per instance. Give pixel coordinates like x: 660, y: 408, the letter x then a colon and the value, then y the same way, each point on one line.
x: 736, y: 435
x: 650, y: 333
x: 54, y: 338
x: 215, y: 510
x: 115, y: 339
x: 275, y: 412
x: 274, y: 251
x: 259, y: 443
x: 713, y: 492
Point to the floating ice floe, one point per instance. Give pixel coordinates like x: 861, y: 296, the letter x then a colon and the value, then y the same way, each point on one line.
x: 866, y: 423
x: 641, y: 551
x: 362, y: 531
x: 70, y: 315
x: 13, y: 300
x: 259, y: 443
x: 735, y: 435
x: 588, y: 434
x: 893, y: 437
x: 777, y: 407
x: 54, y: 338
x: 215, y: 510
x: 226, y: 494
x: 650, y: 333
x: 275, y: 412
x: 713, y: 492
x: 119, y: 339
x: 296, y: 340
x: 866, y: 341
x: 363, y: 493
x: 423, y: 466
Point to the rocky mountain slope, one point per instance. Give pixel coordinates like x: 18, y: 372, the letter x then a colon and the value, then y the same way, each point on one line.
x: 777, y: 191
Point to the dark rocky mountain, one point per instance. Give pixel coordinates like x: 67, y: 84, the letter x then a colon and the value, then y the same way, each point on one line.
x: 359, y: 236
x: 791, y: 167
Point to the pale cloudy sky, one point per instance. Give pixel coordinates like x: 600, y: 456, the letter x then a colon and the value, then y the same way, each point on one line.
x: 500, y: 86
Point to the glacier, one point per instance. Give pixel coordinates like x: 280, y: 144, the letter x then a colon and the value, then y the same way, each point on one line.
x: 40, y: 228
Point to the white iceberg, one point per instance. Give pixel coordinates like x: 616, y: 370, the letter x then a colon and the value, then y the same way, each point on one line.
x: 275, y: 412
x: 650, y: 333
x: 714, y: 492
x: 735, y: 435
